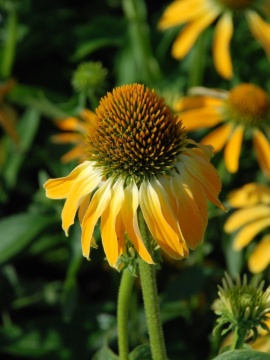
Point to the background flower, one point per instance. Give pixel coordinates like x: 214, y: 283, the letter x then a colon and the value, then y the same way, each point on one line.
x: 251, y: 218
x: 244, y: 111
x: 199, y: 14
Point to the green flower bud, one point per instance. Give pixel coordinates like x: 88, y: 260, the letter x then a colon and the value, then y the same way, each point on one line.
x: 89, y: 76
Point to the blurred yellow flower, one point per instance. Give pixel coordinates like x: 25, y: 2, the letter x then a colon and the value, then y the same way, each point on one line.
x: 251, y: 218
x: 139, y: 159
x: 200, y: 14
x: 7, y: 114
x: 242, y: 111
x: 75, y: 130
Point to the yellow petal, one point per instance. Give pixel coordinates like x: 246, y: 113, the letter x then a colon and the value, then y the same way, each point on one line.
x: 218, y: 137
x: 75, y: 153
x: 200, y: 118
x: 193, y: 102
x: 249, y: 194
x: 221, y: 43
x: 70, y: 123
x: 59, y: 188
x: 244, y: 216
x: 179, y: 12
x: 204, y: 172
x: 108, y: 224
x: 158, y: 226
x: 99, y: 202
x: 86, y: 182
x: 192, y: 221
x: 233, y: 149
x: 129, y: 216
x: 245, y: 235
x: 189, y: 35
x: 66, y: 138
x: 262, y: 149
x: 260, y: 257
x: 259, y: 29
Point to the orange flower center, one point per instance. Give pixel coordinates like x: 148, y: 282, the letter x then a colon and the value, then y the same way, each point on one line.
x: 135, y: 134
x: 237, y: 4
x: 248, y: 104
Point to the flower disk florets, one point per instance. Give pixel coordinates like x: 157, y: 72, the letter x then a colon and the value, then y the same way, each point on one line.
x: 248, y: 104
x: 135, y: 134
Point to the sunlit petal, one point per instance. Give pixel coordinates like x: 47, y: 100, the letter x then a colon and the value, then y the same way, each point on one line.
x: 158, y: 226
x: 260, y: 30
x: 221, y: 50
x: 197, y: 102
x: 233, y: 149
x: 186, y: 39
x: 249, y: 194
x: 200, y: 118
x: 260, y: 257
x: 108, y: 224
x: 245, y: 216
x: 245, y: 235
x: 218, y: 137
x: 99, y: 202
x: 129, y: 216
x: 59, y: 188
x: 262, y: 149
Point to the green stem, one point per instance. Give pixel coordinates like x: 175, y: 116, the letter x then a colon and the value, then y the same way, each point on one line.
x: 123, y: 307
x: 239, y: 337
x: 10, y: 45
x: 151, y: 301
x: 197, y: 65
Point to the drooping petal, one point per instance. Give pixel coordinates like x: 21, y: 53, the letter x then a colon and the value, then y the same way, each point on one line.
x: 221, y: 44
x: 197, y: 102
x: 189, y: 35
x: 130, y: 220
x: 66, y: 138
x: 245, y: 216
x: 85, y: 183
x: 249, y: 194
x: 260, y: 257
x: 204, y: 172
x: 248, y: 232
x: 190, y: 216
x: 108, y: 224
x: 262, y: 149
x: 59, y: 188
x: 158, y: 226
x: 218, y: 137
x: 200, y: 118
x: 259, y: 29
x: 70, y: 124
x: 76, y: 153
x: 233, y: 149
x: 99, y: 202
x: 179, y: 12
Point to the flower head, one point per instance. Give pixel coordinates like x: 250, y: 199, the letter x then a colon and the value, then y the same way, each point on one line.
x: 138, y: 159
x: 75, y: 130
x: 244, y: 110
x: 244, y: 306
x: 199, y: 14
x: 251, y: 218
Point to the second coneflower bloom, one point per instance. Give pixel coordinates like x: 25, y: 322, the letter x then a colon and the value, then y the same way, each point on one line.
x: 242, y: 112
x: 200, y: 14
x: 251, y: 218
x: 139, y: 159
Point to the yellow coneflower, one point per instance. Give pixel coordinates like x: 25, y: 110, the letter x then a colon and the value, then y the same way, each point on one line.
x: 199, y: 14
x: 251, y: 218
x: 242, y: 111
x: 75, y: 130
x: 139, y: 159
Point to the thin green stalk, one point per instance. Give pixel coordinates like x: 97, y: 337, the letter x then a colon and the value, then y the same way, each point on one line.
x: 197, y: 65
x: 9, y: 45
x: 123, y: 308
x: 151, y: 301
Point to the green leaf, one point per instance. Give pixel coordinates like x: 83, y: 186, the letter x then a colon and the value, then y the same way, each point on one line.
x: 105, y: 354
x: 243, y: 355
x: 18, y: 231
x: 141, y: 352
